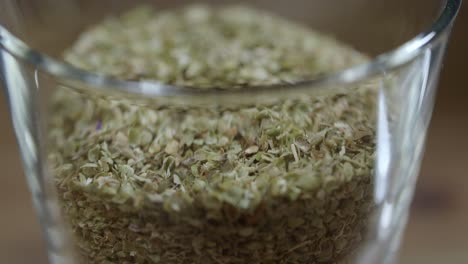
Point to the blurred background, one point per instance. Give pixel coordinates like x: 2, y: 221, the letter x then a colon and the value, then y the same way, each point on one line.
x: 437, y: 231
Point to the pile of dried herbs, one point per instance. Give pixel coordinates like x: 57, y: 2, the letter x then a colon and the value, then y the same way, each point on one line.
x: 283, y: 183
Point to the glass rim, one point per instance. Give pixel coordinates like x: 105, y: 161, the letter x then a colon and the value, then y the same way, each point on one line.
x: 67, y: 74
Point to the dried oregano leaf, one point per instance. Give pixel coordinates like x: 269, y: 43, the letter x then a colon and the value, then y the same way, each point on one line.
x: 283, y: 183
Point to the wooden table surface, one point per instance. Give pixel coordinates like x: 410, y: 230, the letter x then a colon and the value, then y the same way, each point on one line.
x: 437, y: 231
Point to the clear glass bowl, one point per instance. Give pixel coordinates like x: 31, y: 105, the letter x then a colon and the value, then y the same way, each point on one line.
x: 339, y: 192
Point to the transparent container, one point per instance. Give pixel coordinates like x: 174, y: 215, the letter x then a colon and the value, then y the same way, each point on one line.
x: 313, y: 171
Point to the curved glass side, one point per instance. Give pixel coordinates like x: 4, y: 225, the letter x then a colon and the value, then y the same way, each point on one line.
x: 322, y: 175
